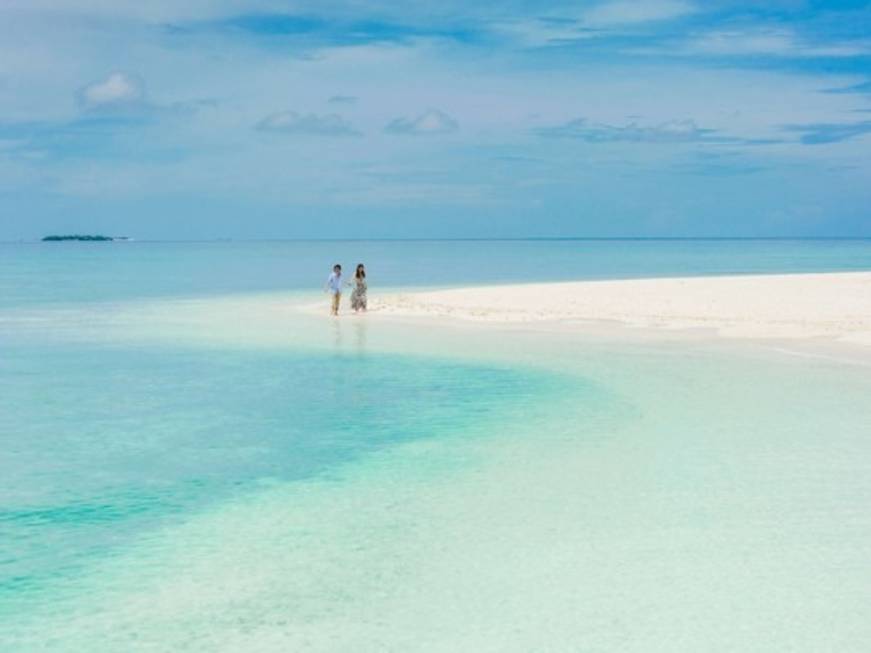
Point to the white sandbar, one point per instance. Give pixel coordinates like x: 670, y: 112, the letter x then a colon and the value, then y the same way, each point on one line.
x: 829, y: 305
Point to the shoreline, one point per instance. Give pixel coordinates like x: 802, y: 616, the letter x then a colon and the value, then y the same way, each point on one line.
x: 820, y: 306
x: 821, y: 315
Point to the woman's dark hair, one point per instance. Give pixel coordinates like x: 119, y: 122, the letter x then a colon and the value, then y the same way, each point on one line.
x: 361, y: 271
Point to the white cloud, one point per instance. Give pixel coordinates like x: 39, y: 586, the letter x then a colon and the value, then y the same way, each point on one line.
x: 596, y: 22
x: 117, y: 90
x: 778, y: 42
x: 291, y: 122
x: 343, y: 99
x: 545, y: 31
x: 432, y: 121
x: 672, y: 131
x: 151, y: 11
x: 622, y: 12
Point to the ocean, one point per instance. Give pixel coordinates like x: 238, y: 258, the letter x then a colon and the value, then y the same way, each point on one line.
x: 190, y: 463
x: 71, y: 272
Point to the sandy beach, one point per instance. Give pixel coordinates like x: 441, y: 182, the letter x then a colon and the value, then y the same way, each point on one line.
x: 834, y: 306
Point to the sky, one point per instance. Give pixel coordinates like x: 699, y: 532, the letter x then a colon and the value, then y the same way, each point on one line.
x: 420, y: 119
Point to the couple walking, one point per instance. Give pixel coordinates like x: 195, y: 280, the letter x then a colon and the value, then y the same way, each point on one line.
x: 335, y: 282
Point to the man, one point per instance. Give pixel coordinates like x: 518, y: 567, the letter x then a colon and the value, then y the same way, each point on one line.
x: 334, y: 287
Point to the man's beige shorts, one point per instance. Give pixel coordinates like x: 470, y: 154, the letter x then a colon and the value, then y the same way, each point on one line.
x: 337, y: 296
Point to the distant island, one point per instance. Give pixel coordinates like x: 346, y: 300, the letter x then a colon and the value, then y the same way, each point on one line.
x: 53, y: 238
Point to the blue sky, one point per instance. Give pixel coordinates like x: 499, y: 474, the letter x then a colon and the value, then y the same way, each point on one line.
x: 267, y: 119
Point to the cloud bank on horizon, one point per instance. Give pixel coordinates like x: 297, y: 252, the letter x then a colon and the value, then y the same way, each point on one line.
x: 265, y: 118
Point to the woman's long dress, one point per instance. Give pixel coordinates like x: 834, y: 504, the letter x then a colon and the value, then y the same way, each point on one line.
x: 358, y: 296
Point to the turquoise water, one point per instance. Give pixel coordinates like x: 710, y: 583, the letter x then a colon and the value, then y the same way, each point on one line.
x: 220, y: 476
x: 102, y: 443
x: 34, y: 273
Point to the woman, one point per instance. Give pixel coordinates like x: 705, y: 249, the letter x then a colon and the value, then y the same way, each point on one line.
x: 358, y: 295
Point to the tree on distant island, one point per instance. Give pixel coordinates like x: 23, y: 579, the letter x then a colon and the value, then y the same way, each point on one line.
x: 54, y: 238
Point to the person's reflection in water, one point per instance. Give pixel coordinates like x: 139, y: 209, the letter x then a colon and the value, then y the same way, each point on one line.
x: 360, y: 337
x: 337, y: 335
x: 355, y: 341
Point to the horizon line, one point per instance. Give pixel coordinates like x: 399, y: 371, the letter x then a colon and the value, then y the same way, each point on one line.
x: 132, y: 240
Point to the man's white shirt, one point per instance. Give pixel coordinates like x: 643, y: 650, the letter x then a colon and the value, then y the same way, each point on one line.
x: 334, y: 283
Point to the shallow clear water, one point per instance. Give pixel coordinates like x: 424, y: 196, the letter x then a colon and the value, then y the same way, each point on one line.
x: 101, y: 443
x: 221, y: 475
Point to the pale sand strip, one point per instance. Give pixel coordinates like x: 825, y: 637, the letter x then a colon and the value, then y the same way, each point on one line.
x: 832, y: 305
